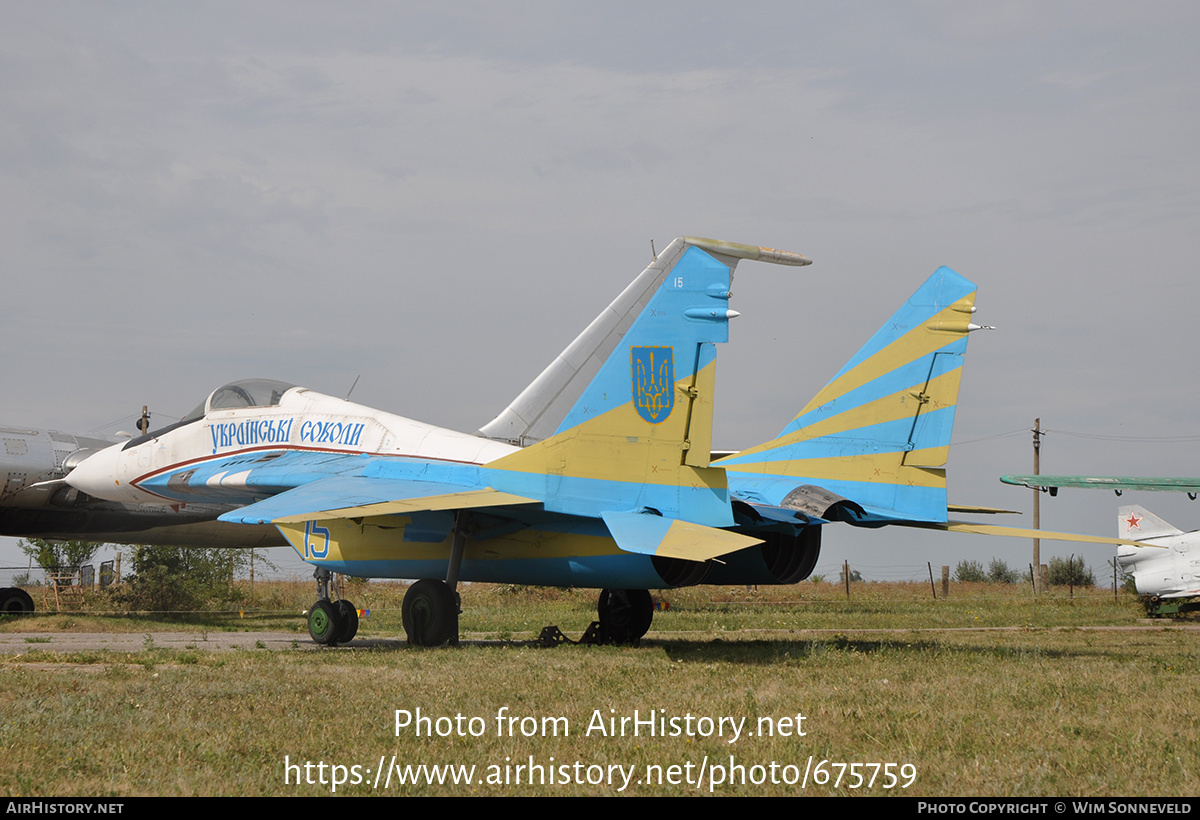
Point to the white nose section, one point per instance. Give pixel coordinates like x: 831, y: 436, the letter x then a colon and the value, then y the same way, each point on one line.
x: 102, y: 475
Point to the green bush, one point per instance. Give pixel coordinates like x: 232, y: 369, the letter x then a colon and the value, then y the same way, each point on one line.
x: 1064, y: 572
x: 970, y: 572
x: 999, y: 573
x: 173, y: 579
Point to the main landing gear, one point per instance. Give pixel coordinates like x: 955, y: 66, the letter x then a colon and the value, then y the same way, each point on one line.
x: 331, y: 622
x: 625, y: 615
x: 431, y: 610
x: 430, y: 613
x: 431, y: 607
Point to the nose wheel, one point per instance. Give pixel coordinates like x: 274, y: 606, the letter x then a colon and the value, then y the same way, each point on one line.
x: 331, y: 622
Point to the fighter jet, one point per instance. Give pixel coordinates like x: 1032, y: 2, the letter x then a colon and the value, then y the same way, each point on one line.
x: 1165, y: 565
x: 600, y: 474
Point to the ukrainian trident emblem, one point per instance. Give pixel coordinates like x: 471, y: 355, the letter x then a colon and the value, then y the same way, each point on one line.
x: 653, y: 382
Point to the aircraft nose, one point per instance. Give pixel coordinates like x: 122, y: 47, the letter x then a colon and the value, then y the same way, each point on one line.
x: 97, y: 475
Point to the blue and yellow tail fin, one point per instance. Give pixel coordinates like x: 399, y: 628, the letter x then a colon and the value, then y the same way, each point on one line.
x: 871, y: 447
x: 636, y: 440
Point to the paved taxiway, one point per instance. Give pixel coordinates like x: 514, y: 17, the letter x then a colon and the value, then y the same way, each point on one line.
x: 16, y: 643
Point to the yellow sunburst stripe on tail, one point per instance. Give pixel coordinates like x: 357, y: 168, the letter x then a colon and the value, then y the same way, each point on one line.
x: 926, y: 338
x: 621, y: 446
x: 941, y: 392
x: 883, y: 468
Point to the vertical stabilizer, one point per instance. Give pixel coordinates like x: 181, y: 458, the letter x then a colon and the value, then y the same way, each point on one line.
x: 638, y: 437
x: 538, y: 412
x: 877, y: 434
x: 1139, y: 524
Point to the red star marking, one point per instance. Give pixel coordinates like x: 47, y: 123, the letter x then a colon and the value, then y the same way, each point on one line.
x: 1132, y: 521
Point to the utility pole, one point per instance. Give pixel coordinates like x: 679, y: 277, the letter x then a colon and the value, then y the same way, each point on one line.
x: 1037, y: 503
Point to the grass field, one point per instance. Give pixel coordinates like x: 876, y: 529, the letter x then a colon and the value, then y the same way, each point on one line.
x: 957, y: 701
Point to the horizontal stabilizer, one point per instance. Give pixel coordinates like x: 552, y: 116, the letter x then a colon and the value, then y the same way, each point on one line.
x: 361, y: 496
x: 649, y: 534
x: 965, y: 509
x: 1020, y: 532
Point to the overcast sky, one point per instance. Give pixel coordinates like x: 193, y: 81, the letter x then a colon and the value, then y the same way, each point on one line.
x: 437, y: 197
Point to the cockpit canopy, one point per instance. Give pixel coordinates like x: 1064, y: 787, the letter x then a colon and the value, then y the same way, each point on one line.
x: 232, y: 396
x: 244, y: 393
x: 248, y: 393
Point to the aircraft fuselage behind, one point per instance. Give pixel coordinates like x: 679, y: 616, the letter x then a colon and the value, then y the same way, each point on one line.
x: 36, y: 502
x: 1167, y: 564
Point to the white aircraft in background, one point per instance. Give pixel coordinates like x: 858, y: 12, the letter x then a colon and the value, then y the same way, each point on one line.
x: 1166, y: 567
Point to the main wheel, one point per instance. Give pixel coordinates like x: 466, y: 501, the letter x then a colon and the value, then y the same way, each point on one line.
x: 347, y: 617
x: 15, y: 601
x: 625, y: 614
x: 430, y: 614
x: 323, y: 623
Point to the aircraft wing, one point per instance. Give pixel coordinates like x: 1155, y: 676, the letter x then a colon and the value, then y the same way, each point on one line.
x: 361, y: 496
x: 364, y: 496
x: 1103, y: 482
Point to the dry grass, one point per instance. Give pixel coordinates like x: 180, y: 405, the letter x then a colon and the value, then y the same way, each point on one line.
x: 504, y: 611
x: 1031, y: 711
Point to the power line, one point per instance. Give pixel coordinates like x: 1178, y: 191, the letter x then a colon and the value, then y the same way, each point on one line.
x: 1096, y: 436
x: 1150, y: 439
x: 1009, y: 434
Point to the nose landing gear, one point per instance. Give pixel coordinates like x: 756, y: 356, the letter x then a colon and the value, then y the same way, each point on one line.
x: 330, y: 622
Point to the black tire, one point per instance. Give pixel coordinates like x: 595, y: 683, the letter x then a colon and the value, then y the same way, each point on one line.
x: 430, y: 614
x: 347, y: 621
x: 625, y: 614
x: 15, y: 601
x: 323, y: 623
